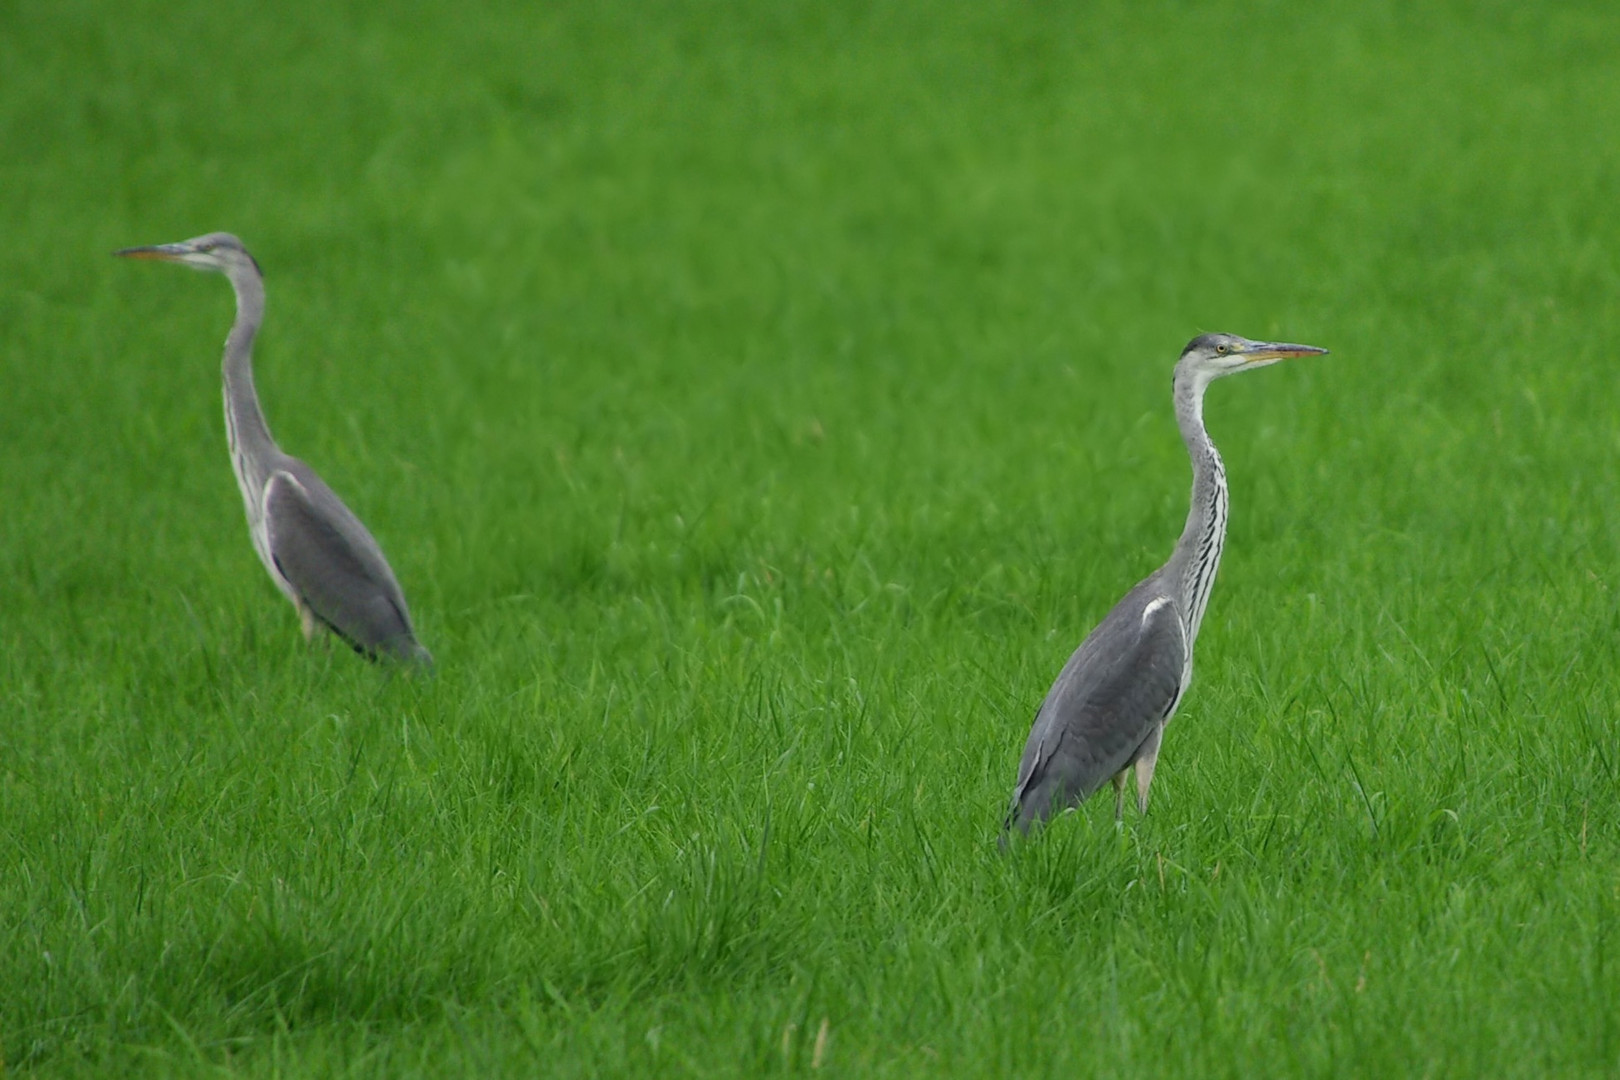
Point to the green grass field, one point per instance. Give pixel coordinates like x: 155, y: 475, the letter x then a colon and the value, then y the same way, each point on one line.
x: 758, y: 403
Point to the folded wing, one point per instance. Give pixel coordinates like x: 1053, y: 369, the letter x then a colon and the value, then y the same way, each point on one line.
x: 335, y: 566
x: 1110, y: 698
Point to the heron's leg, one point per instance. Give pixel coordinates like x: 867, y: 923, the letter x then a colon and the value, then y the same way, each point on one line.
x: 306, y: 619
x: 1146, y: 759
x: 1119, y: 796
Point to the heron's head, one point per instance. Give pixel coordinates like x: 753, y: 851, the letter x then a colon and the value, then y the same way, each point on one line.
x: 217, y: 251
x: 1214, y: 355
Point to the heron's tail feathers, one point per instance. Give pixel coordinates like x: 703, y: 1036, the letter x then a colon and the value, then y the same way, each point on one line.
x: 417, y: 653
x: 405, y: 649
x: 1017, y: 818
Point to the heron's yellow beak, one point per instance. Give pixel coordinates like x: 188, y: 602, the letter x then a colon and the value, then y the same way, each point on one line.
x: 1279, y: 350
x: 165, y: 252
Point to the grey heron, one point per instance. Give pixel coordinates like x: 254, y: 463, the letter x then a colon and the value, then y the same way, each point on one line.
x: 1105, y: 715
x: 315, y: 549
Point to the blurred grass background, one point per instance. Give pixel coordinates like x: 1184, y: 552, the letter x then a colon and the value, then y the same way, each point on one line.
x: 758, y: 403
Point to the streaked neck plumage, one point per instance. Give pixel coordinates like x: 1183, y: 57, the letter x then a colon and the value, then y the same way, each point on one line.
x: 252, y: 448
x: 1192, y: 566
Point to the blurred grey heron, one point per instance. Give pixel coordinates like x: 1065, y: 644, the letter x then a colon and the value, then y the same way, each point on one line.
x: 1105, y: 715
x: 316, y: 550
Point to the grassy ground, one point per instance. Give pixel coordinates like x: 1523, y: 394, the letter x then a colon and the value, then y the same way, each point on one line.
x: 758, y: 403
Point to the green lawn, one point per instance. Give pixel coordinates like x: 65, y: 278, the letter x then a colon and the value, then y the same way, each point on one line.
x: 758, y: 402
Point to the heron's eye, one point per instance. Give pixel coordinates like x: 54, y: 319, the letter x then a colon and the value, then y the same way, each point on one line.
x: 1220, y: 350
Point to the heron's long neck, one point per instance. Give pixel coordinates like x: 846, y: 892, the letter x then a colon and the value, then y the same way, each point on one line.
x: 1198, y: 552
x: 248, y: 435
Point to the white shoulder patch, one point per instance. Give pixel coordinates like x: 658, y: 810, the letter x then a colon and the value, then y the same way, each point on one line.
x: 1154, y: 605
x: 282, y: 476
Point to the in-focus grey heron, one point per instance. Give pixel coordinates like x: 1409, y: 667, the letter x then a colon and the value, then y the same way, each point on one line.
x: 316, y: 550
x: 1106, y: 713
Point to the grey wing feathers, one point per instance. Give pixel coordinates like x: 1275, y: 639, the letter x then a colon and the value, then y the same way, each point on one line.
x: 1109, y: 698
x: 338, y: 570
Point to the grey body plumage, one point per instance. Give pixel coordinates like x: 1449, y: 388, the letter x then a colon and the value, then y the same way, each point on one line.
x: 1105, y: 715
x: 315, y: 549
